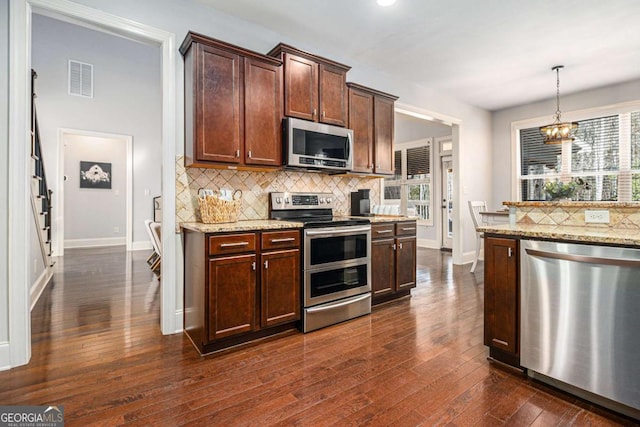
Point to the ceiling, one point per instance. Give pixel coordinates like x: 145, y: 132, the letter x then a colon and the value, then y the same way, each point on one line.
x: 492, y: 54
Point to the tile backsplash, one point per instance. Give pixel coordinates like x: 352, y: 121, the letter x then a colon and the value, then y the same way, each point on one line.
x: 256, y: 187
x: 621, y: 215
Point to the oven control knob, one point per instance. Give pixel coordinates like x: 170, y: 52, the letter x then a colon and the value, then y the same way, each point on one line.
x: 321, y: 199
x: 286, y: 200
x: 328, y: 199
x: 278, y: 200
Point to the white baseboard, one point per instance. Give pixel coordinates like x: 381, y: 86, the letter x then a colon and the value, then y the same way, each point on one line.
x: 179, y: 321
x: 428, y: 243
x: 5, y: 356
x: 468, y: 257
x: 88, y: 243
x: 141, y: 246
x: 39, y: 286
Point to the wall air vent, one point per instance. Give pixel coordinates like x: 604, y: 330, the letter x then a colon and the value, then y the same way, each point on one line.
x: 80, y: 79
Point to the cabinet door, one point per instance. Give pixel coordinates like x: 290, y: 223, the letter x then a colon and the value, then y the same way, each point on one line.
x: 232, y: 296
x: 301, y: 87
x: 383, y: 136
x: 262, y: 113
x: 405, y: 263
x: 501, y: 294
x: 382, y: 267
x: 361, y: 121
x: 333, y: 95
x: 280, y: 287
x: 219, y: 116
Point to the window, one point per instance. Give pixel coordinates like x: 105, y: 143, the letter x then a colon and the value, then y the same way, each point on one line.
x: 605, y: 155
x: 410, y: 186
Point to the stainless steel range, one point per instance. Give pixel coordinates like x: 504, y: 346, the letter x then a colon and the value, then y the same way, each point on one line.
x: 336, y: 258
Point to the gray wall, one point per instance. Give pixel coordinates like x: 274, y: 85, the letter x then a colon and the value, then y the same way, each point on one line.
x: 4, y: 167
x: 503, y: 146
x: 127, y: 101
x: 409, y: 128
x: 92, y: 213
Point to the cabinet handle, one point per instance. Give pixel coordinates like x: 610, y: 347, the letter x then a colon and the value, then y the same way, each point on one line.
x: 232, y: 245
x: 253, y: 266
x: 249, y: 154
x: 497, y: 341
x: 510, y: 253
x: 408, y: 228
x: 323, y: 114
x: 237, y: 153
x: 288, y: 239
x: 400, y: 245
x: 314, y: 113
x: 266, y: 264
x: 384, y: 231
x: 394, y: 246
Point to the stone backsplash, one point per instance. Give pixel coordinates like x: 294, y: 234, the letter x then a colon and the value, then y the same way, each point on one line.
x: 257, y: 185
x: 621, y: 215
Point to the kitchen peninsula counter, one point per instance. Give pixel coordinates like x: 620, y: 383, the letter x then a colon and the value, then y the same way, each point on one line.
x: 597, y: 235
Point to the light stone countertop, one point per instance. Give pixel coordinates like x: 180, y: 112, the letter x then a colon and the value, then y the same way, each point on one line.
x: 252, y: 225
x: 605, y: 235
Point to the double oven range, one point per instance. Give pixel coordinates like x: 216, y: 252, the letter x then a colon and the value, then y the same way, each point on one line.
x: 336, y: 259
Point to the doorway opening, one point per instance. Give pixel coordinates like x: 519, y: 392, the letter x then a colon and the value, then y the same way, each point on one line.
x: 94, y: 217
x: 447, y: 196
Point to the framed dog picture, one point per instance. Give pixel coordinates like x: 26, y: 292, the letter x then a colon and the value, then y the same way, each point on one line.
x: 95, y: 175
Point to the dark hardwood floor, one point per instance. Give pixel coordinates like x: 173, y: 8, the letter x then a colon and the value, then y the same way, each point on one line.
x: 97, y: 350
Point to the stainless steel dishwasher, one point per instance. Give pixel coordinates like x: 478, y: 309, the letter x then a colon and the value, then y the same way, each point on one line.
x: 580, y: 320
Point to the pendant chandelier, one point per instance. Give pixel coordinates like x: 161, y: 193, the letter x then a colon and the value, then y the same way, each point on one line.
x: 558, y: 132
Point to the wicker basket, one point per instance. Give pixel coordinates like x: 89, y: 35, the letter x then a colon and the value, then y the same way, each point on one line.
x: 214, y: 210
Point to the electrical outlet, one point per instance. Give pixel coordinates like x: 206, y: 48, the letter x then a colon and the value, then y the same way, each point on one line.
x: 597, y: 217
x: 116, y: 229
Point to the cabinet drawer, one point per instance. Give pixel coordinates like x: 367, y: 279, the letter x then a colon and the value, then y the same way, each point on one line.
x: 406, y: 228
x: 280, y: 239
x: 379, y: 231
x: 232, y: 243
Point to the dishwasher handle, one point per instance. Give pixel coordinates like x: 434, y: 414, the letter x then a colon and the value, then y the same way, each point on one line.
x: 618, y: 262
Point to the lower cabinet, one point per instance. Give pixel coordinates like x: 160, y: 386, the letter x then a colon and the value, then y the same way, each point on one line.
x: 501, y: 299
x: 393, y: 260
x: 240, y: 287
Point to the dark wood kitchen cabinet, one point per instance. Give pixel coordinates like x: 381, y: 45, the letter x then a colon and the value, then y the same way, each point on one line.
x: 314, y: 87
x: 501, y: 299
x: 233, y: 105
x: 280, y: 277
x: 371, y: 116
x: 240, y: 286
x: 393, y: 260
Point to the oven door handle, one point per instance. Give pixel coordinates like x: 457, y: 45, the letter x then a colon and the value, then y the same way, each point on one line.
x: 338, y: 304
x: 338, y: 230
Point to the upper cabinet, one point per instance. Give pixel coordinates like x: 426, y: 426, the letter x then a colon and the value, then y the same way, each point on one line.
x: 314, y: 87
x: 371, y: 116
x: 233, y: 105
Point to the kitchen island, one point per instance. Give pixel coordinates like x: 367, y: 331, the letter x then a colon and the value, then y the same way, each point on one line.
x: 561, y: 298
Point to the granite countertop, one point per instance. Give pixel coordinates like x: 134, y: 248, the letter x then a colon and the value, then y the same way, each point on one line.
x: 605, y: 235
x: 573, y: 204
x: 252, y: 225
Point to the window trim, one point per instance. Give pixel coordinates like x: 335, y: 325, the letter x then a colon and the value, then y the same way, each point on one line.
x: 570, y: 116
x: 403, y: 202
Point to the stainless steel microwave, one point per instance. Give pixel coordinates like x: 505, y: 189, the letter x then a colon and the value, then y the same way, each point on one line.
x: 312, y: 145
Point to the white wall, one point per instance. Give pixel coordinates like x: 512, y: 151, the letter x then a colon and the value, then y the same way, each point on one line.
x: 4, y: 167
x: 503, y: 146
x: 127, y: 100
x: 94, y: 213
x: 409, y: 128
x: 474, y: 155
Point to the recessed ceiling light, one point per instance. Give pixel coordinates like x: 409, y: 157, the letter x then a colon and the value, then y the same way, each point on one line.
x: 385, y: 3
